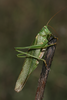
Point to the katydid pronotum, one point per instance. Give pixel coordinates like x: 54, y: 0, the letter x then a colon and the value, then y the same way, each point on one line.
x: 34, y: 55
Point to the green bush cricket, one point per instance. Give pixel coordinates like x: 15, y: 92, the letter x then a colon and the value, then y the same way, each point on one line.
x: 34, y: 55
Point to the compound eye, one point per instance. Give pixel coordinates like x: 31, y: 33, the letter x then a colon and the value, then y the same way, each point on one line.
x: 45, y: 27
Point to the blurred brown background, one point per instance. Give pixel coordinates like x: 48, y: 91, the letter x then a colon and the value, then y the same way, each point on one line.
x: 20, y: 21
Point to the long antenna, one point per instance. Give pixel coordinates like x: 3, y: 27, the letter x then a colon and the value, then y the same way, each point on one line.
x: 55, y: 15
x: 53, y: 29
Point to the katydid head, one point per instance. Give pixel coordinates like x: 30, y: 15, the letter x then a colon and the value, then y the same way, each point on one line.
x: 45, y: 32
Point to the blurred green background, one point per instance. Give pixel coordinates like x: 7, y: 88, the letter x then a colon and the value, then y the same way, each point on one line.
x: 20, y: 21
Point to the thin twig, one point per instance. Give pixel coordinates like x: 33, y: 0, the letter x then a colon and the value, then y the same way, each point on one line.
x: 45, y: 70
